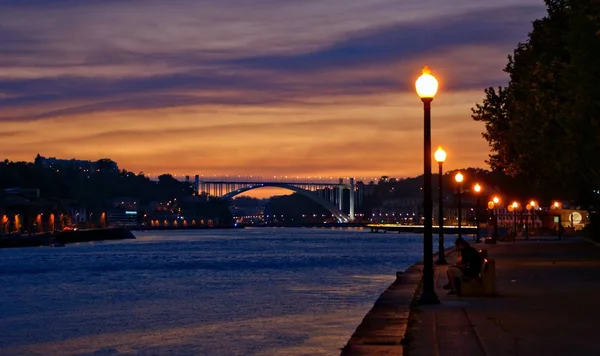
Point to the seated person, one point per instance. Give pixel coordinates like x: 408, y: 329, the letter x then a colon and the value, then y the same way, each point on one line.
x: 469, y: 266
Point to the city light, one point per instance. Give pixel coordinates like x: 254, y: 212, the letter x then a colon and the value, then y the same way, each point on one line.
x: 533, y: 203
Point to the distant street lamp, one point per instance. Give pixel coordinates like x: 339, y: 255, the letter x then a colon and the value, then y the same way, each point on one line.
x: 459, y: 179
x: 528, y: 207
x: 477, y: 189
x: 496, y: 202
x: 556, y: 206
x: 427, y: 87
x: 440, y: 157
x: 515, y: 207
x: 534, y: 206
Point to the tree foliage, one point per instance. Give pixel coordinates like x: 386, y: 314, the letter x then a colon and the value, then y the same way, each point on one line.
x: 544, y: 125
x: 89, y: 187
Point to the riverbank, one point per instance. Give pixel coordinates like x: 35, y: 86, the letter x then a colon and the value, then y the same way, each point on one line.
x: 65, y: 237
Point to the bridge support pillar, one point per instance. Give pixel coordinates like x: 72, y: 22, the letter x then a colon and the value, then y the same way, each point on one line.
x: 341, y: 195
x: 351, y: 199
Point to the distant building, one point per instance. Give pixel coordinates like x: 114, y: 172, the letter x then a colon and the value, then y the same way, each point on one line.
x: 121, y: 217
x: 76, y: 164
x: 128, y: 203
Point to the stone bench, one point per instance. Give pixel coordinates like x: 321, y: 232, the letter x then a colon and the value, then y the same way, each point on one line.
x: 484, y: 285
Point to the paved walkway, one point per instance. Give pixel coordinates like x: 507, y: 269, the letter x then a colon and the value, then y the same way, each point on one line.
x: 548, y: 304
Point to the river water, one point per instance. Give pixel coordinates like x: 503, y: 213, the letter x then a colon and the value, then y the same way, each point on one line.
x: 261, y: 291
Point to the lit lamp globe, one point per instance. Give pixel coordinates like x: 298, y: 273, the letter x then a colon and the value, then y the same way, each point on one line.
x: 459, y: 177
x: 426, y: 85
x: 490, y: 205
x: 556, y: 205
x: 528, y: 207
x: 511, y: 208
x: 496, y: 200
x: 477, y: 188
x: 533, y: 204
x: 515, y: 205
x: 440, y: 155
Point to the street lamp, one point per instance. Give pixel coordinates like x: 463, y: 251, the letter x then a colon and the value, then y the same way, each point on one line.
x: 496, y: 202
x: 534, y: 206
x: 477, y: 189
x: 427, y: 87
x: 440, y: 157
x: 556, y: 206
x: 459, y: 179
x: 515, y: 206
x: 528, y: 207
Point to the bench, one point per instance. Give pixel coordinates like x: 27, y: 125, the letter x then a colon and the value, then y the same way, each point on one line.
x: 484, y: 284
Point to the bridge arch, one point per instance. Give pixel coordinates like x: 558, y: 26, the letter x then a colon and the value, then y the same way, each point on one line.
x: 337, y: 213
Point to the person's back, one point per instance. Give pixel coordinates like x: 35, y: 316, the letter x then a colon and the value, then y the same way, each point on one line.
x: 468, y: 266
x: 470, y: 261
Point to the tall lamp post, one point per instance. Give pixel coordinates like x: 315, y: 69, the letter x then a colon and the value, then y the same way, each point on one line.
x: 477, y: 189
x: 459, y: 179
x: 427, y: 87
x: 440, y: 157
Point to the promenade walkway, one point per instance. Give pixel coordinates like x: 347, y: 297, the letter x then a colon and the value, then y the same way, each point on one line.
x: 548, y: 304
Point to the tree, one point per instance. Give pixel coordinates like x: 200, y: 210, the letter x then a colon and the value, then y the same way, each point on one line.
x: 543, y: 126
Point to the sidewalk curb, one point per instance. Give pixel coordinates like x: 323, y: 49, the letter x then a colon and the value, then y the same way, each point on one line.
x: 384, y: 328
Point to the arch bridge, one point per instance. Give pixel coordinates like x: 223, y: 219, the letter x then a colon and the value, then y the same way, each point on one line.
x: 329, y: 195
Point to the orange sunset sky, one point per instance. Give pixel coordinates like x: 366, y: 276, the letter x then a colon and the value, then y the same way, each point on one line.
x: 264, y: 87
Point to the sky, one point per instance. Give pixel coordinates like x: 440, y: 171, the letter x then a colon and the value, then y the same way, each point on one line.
x: 251, y: 87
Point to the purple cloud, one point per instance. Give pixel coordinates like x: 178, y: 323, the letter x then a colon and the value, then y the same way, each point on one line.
x: 210, y: 76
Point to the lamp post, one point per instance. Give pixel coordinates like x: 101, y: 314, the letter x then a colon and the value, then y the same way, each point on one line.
x: 427, y: 87
x: 490, y: 206
x: 440, y: 157
x: 534, y: 206
x: 556, y: 206
x: 459, y: 179
x: 515, y: 206
x: 477, y: 189
x: 496, y: 202
x: 528, y: 207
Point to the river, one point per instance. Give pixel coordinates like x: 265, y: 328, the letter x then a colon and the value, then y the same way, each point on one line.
x: 256, y: 291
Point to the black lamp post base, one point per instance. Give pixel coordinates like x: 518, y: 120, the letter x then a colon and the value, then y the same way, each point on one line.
x: 429, y: 298
x: 441, y: 261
